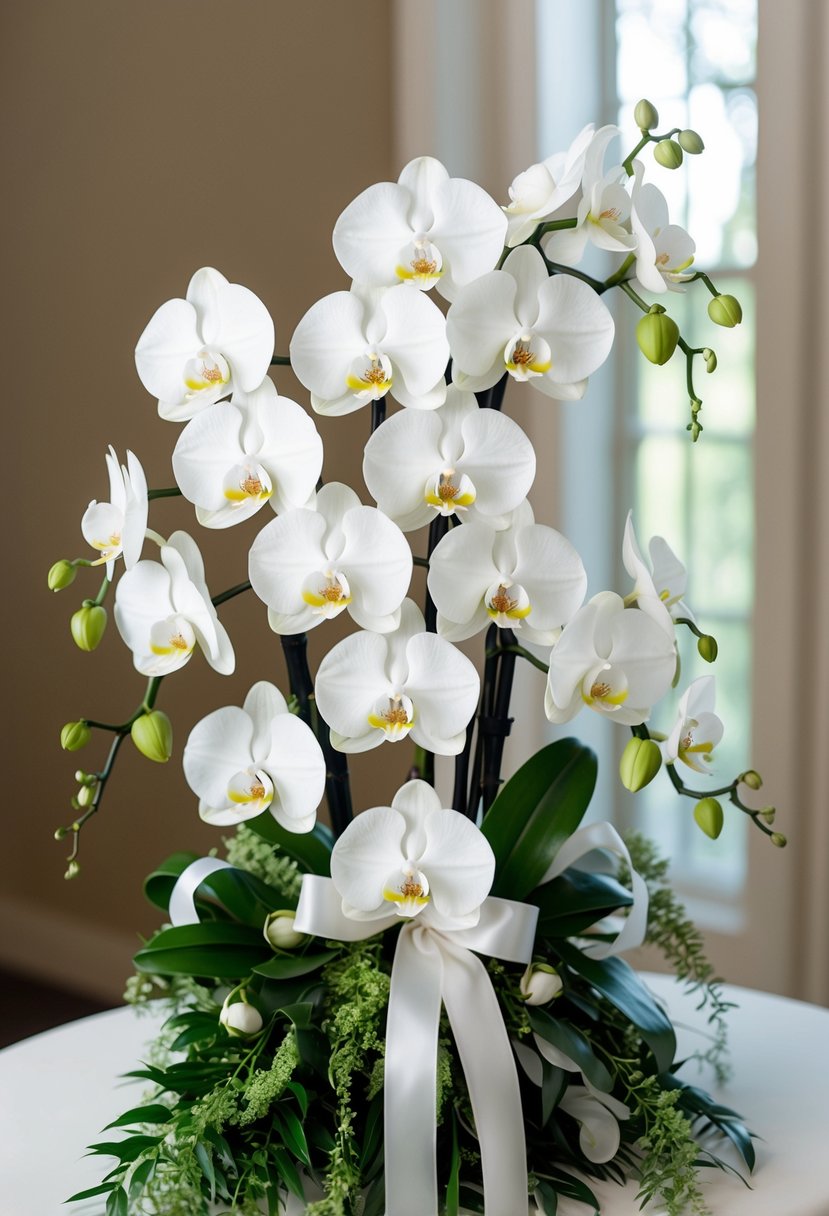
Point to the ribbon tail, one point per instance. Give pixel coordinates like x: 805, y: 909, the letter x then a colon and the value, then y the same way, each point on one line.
x: 489, y: 1067
x: 410, y: 1081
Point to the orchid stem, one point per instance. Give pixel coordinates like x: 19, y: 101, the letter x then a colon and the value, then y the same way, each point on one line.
x: 281, y: 361
x: 337, y: 787
x: 169, y: 492
x: 378, y: 413
x: 524, y: 654
x: 231, y: 592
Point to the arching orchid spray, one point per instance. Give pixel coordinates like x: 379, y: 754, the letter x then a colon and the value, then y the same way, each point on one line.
x: 453, y: 297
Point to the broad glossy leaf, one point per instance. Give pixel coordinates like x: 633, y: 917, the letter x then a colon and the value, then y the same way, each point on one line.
x: 535, y: 812
x: 216, y: 949
x: 574, y: 1045
x: 287, y: 966
x: 152, y: 1113
x: 575, y: 900
x: 158, y: 886
x: 617, y: 981
x: 312, y: 850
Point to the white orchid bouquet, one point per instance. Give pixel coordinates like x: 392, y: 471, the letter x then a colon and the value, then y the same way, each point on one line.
x: 422, y: 1008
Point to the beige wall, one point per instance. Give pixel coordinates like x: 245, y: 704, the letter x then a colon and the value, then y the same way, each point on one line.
x: 142, y: 141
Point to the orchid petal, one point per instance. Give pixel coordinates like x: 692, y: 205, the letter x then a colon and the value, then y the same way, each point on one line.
x: 377, y: 559
x: 415, y: 801
x: 170, y: 338
x: 263, y: 703
x: 458, y: 862
x: 577, y: 326
x: 367, y: 852
x: 479, y: 323
x: 460, y: 570
x: 281, y: 557
x: 296, y: 766
x: 217, y: 748
x: 370, y: 232
x: 443, y: 685
x: 326, y: 341
x: 349, y: 680
x: 415, y: 339
x: 245, y: 335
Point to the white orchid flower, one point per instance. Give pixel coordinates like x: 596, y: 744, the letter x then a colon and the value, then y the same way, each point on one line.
x: 603, y: 210
x: 539, y: 191
x: 257, y: 448
x: 664, y: 251
x: 163, y: 609
x: 373, y: 687
x: 697, y: 729
x: 355, y: 346
x: 658, y: 589
x: 428, y: 229
x: 527, y: 577
x: 309, y: 565
x: 116, y: 528
x: 414, y: 858
x: 197, y: 350
x: 459, y: 460
x: 553, y: 331
x: 616, y: 660
x: 242, y: 762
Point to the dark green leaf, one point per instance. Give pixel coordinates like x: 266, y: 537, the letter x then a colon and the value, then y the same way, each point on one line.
x: 117, y: 1203
x: 205, y: 1160
x: 244, y: 896
x: 103, y: 1189
x: 375, y: 1198
x: 573, y: 1188
x: 372, y: 1135
x: 553, y: 1084
x: 287, y: 966
x: 312, y: 850
x: 154, y: 1113
x: 535, y: 812
x: 575, y: 900
x: 301, y: 1095
x: 125, y: 1150
x: 549, y: 1198
x: 159, y: 885
x: 195, y: 1034
x: 293, y: 1135
x: 217, y: 949
x: 573, y: 1043
x: 617, y: 981
x: 453, y: 1184
x: 141, y: 1175
x: 288, y: 1172
x: 472, y: 1201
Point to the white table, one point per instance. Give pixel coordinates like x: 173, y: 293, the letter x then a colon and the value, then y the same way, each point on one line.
x: 58, y: 1090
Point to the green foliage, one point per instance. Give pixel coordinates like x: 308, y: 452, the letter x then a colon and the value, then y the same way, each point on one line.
x: 683, y: 946
x: 249, y: 851
x: 669, y: 1154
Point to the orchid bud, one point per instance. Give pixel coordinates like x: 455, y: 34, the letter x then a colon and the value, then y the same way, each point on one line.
x: 645, y: 115
x: 540, y: 984
x: 708, y: 648
x: 768, y: 814
x: 778, y: 840
x: 691, y: 142
x: 74, y: 736
x: 657, y: 335
x: 240, y: 1019
x: 641, y: 761
x: 152, y: 734
x: 279, y: 931
x: 668, y: 154
x: 61, y: 575
x: 752, y: 779
x: 72, y: 870
x: 85, y: 796
x: 709, y: 816
x: 725, y: 311
x: 88, y: 625
x: 710, y: 359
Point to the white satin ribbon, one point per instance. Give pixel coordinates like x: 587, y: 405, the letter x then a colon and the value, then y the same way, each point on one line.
x: 433, y: 966
x: 182, y: 899
x: 604, y: 836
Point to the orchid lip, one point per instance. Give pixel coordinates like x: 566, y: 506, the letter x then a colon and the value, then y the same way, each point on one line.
x: 172, y: 636
x: 327, y: 592
x: 527, y: 355
x: 507, y: 604
x: 248, y: 482
x: 208, y: 372
x: 394, y: 715
x: 420, y: 262
x: 250, y: 790
x: 370, y: 376
x: 605, y: 688
x: 449, y: 491
x: 408, y: 890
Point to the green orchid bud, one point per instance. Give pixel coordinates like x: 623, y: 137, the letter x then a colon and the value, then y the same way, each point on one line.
x: 152, y: 734
x: 641, y: 761
x: 61, y: 832
x: 83, y: 778
x: 85, y: 796
x: 725, y: 311
x: 645, y: 115
x: 778, y: 840
x: 72, y: 870
x: 61, y: 575
x: 690, y: 142
x: 752, y: 779
x: 708, y: 648
x: 88, y: 625
x: 668, y: 154
x: 279, y: 931
x: 709, y: 816
x: 657, y: 335
x: 768, y: 814
x: 74, y: 736
x: 710, y: 360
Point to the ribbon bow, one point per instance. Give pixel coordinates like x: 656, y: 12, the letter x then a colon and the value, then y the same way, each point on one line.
x: 433, y: 967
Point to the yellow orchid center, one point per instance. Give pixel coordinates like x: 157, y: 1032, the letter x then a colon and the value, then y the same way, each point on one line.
x: 327, y: 592
x: 408, y: 890
x: 394, y: 716
x: 508, y: 604
x: 450, y: 492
